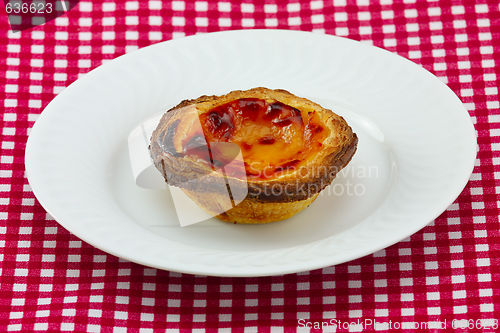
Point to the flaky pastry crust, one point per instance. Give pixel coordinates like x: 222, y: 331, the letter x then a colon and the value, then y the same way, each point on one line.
x: 262, y: 204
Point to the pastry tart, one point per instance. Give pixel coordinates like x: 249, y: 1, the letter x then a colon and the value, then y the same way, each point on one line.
x: 271, y: 151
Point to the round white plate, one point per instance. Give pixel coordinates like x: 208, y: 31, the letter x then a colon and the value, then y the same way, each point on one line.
x: 416, y: 151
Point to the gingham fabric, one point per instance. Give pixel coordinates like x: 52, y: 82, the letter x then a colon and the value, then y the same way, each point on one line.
x: 51, y: 281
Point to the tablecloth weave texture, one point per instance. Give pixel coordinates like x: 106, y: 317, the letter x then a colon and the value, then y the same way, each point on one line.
x: 50, y: 281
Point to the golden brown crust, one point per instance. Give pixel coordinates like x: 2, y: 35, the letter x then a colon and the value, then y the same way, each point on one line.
x: 306, y: 182
x: 249, y: 211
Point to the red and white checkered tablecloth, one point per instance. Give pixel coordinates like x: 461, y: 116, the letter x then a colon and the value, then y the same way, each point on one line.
x: 50, y: 281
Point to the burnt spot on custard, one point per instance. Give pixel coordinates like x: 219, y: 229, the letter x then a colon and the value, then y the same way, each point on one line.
x: 267, y: 140
x: 220, y: 122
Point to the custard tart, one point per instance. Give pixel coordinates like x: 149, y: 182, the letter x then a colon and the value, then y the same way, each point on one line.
x: 253, y: 156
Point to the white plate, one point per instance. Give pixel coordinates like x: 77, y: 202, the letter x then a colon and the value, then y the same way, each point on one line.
x: 416, y: 151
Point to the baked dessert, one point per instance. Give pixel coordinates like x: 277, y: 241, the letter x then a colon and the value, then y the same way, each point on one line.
x: 273, y: 150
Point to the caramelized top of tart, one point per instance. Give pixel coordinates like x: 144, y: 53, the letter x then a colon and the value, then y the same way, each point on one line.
x: 274, y: 138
